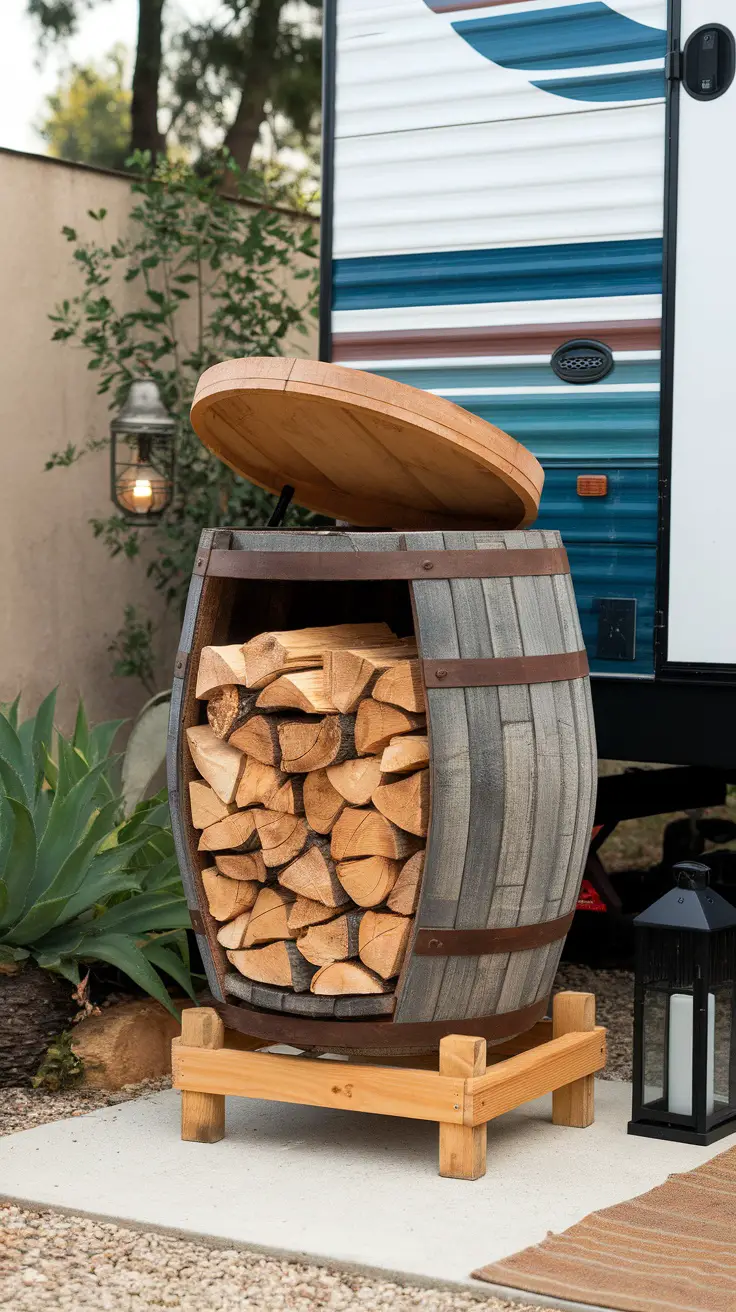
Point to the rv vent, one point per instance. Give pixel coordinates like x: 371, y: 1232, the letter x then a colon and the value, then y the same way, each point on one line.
x: 582, y: 361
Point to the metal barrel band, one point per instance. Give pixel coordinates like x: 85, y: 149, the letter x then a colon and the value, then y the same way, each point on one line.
x: 302, y: 1032
x: 323, y: 566
x: 501, y: 671
x: 197, y: 920
x: 483, y: 942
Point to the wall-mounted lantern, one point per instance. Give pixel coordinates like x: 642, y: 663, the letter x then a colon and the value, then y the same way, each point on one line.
x: 142, y: 454
x: 684, y: 1084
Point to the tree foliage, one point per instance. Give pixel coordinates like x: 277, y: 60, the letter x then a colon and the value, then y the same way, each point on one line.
x: 89, y: 116
x: 249, y: 72
x: 210, y: 276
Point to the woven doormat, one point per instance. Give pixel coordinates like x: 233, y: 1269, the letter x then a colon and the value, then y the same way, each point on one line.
x: 670, y: 1250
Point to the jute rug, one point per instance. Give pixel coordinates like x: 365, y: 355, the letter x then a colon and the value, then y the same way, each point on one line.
x: 670, y: 1250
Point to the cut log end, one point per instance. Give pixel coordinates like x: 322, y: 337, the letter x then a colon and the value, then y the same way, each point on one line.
x: 346, y: 977
x: 376, y: 723
x: 308, y: 745
x: 220, y: 764
x: 384, y: 938
x: 229, y: 708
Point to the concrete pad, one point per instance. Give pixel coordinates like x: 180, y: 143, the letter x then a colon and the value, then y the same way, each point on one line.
x: 356, y: 1189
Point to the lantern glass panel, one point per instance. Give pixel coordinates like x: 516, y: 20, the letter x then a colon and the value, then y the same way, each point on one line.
x: 724, y: 1072
x: 654, y: 1053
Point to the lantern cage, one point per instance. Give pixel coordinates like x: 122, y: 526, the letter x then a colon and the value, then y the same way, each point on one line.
x: 684, y: 1078
x: 142, y: 454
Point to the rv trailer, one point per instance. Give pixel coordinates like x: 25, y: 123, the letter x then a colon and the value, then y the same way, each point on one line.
x: 529, y: 209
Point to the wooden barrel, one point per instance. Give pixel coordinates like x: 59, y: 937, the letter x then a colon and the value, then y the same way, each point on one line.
x: 512, y: 759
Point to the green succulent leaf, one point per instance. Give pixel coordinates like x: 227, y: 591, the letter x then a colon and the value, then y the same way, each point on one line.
x: 146, y: 911
x: 121, y: 951
x: 170, y: 962
x: 18, y: 868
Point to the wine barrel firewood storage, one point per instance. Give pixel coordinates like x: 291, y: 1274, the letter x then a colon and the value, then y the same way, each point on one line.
x: 477, y: 628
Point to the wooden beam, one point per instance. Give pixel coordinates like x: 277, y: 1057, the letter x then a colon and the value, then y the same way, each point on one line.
x: 462, y: 1147
x: 202, y: 1111
x: 574, y: 1104
x: 532, y: 1073
x: 383, y: 1090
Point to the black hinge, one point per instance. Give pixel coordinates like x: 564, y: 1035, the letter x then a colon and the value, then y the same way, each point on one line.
x: 673, y: 65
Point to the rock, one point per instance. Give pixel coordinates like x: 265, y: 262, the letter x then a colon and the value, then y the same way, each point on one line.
x: 126, y: 1043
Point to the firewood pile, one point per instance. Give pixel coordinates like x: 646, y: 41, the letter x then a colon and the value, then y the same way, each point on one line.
x: 313, y: 802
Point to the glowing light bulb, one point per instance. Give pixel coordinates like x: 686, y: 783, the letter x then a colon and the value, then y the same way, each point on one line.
x: 143, y: 494
x: 141, y: 490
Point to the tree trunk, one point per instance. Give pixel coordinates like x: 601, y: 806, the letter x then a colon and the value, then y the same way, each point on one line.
x: 35, y: 1006
x: 258, y: 67
x: 144, y: 133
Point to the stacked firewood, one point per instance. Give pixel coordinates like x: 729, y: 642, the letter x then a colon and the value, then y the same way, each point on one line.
x: 313, y: 802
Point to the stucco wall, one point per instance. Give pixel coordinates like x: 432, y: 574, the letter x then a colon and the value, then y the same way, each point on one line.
x: 62, y: 595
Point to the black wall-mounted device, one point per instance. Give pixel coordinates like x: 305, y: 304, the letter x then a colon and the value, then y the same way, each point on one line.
x: 708, y: 62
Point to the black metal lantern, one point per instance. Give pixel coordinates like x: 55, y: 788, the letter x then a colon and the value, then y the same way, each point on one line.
x: 685, y: 1013
x: 142, y: 454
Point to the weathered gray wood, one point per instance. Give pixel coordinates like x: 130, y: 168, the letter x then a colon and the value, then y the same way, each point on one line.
x: 421, y: 979
x: 368, y: 1004
x: 485, y: 758
x: 308, y: 1004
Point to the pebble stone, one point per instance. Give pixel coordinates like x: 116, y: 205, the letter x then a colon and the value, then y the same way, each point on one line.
x: 50, y: 1260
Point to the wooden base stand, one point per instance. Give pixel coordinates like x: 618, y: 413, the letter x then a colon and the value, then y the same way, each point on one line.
x: 463, y: 1090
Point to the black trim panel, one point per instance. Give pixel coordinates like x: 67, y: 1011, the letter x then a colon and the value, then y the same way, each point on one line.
x: 329, y: 63
x: 663, y: 720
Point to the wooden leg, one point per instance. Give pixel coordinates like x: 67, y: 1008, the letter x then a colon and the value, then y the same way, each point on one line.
x: 574, y: 1104
x: 202, y: 1114
x: 462, y: 1147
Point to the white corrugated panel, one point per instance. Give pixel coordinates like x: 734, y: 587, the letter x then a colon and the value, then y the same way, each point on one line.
x: 401, y: 67
x: 583, y: 177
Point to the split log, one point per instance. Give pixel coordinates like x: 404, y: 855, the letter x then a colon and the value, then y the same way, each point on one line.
x: 322, y: 802
x: 227, y: 897
x: 304, y: 912
x: 245, y: 865
x: 313, y: 745
x: 232, y: 934
x: 219, y: 763
x: 369, y: 880
x: 229, y: 709
x: 377, y: 723
x: 363, y: 832
x: 303, y: 690
x: 270, y: 654
x: 406, y: 802
x: 384, y: 938
x: 205, y: 806
x: 313, y: 875
x: 334, y: 941
x: 287, y: 797
x: 401, y: 685
x: 236, y: 833
x: 350, y: 674
x: 218, y: 667
x: 278, y: 963
x: 347, y: 977
x: 257, y: 783
x: 268, y: 919
x: 282, y: 836
x: 356, y: 780
x: 259, y: 738
x: 404, y: 897
x: 405, y: 754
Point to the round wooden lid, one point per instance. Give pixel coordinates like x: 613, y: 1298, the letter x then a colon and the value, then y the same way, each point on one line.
x: 364, y: 449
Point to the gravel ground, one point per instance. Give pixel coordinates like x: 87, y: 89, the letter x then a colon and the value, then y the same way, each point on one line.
x: 50, y: 1260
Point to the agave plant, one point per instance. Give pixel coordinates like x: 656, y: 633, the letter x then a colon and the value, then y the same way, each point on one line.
x: 80, y: 882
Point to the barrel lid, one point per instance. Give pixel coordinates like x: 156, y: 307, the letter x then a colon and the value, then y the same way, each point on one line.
x: 362, y: 448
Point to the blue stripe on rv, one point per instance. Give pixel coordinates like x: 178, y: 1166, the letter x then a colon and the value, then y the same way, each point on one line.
x: 507, y: 273
x: 645, y: 84
x: 438, y: 376
x: 571, y: 36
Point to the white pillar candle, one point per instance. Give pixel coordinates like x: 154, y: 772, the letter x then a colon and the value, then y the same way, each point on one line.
x: 680, y: 1055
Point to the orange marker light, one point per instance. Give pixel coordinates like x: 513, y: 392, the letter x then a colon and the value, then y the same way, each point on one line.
x: 592, y: 485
